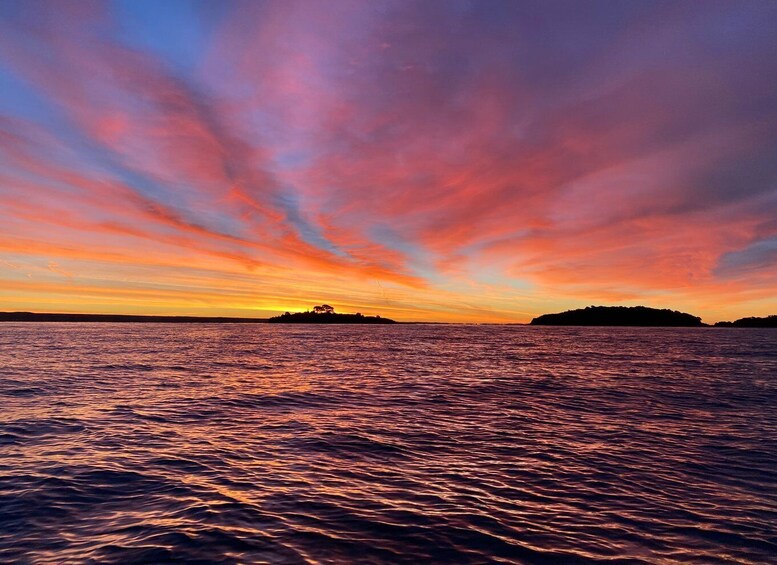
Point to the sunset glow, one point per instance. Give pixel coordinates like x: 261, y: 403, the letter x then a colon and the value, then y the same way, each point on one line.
x: 442, y: 161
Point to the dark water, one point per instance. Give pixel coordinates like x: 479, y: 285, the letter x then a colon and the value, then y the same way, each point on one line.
x: 395, y: 444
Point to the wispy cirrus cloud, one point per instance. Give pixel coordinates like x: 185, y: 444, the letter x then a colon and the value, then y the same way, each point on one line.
x: 480, y: 161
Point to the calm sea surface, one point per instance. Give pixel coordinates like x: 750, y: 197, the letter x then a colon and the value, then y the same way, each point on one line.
x: 386, y: 444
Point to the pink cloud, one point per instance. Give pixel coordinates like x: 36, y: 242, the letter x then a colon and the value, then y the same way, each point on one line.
x: 406, y: 144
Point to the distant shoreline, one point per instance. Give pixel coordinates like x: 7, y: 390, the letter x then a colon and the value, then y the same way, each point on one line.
x: 641, y: 317
x: 124, y: 318
x: 300, y: 318
x: 574, y: 318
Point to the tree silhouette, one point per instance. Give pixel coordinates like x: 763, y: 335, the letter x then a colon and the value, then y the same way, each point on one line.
x: 325, y: 314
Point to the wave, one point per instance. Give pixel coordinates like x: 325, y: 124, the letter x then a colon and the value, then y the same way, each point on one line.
x: 441, y: 444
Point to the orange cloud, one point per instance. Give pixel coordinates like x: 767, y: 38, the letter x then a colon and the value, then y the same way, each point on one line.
x: 429, y: 162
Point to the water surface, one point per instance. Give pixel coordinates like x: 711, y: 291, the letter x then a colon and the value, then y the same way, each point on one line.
x: 386, y: 444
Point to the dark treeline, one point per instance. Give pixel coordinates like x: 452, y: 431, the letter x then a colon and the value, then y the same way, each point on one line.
x: 320, y: 315
x: 619, y: 316
x: 590, y: 316
x: 767, y: 322
x: 325, y: 314
x: 124, y: 318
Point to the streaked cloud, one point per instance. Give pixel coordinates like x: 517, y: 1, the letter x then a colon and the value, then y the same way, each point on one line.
x: 431, y: 160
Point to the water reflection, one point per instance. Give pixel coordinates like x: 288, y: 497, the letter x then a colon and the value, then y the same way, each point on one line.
x: 386, y: 444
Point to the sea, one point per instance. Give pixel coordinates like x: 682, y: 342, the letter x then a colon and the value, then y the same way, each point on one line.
x: 262, y: 443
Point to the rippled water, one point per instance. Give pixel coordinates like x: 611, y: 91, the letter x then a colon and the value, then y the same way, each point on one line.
x: 455, y: 444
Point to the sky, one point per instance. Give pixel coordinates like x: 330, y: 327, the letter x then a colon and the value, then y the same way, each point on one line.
x: 473, y: 161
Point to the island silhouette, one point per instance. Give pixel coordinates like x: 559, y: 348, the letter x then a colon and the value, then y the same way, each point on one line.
x: 752, y: 322
x: 326, y: 314
x: 636, y: 316
x: 619, y: 316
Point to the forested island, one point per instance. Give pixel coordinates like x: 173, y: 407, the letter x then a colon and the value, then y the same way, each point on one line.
x: 752, y: 322
x: 325, y: 314
x: 619, y: 316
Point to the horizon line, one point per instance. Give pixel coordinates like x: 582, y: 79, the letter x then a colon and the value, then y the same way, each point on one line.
x: 189, y: 318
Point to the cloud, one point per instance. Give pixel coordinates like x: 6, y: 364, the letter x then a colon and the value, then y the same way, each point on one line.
x: 620, y: 152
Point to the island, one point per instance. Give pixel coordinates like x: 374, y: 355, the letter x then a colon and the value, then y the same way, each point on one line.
x: 325, y: 314
x: 619, y: 316
x: 752, y: 322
